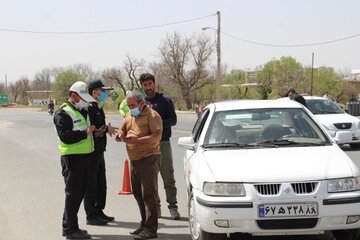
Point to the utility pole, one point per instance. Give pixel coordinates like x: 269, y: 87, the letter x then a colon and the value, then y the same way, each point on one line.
x: 312, y: 75
x: 218, y: 64
x: 5, y: 83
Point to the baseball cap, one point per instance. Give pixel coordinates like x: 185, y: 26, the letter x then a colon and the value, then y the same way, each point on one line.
x: 82, y: 89
x: 93, y: 84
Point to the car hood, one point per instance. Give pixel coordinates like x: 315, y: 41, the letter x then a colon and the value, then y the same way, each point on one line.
x: 279, y: 164
x: 330, y: 119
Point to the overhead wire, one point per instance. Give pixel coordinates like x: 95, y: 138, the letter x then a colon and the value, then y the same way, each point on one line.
x: 106, y: 31
x: 180, y: 22
x: 291, y: 45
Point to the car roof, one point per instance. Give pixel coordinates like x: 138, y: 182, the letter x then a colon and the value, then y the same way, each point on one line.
x: 253, y: 104
x: 315, y: 98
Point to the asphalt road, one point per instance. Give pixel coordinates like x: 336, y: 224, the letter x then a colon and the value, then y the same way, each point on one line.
x: 32, y: 188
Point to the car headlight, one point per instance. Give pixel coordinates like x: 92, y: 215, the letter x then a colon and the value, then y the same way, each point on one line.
x: 224, y: 189
x: 344, y: 184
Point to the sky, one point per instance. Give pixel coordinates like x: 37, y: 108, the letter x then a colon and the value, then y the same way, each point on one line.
x: 279, y: 22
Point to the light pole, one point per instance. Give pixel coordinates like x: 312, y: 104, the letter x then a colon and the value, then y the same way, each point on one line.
x: 218, y: 58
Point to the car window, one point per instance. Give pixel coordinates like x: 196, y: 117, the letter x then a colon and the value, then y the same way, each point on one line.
x: 323, y: 106
x: 258, y: 126
x: 199, y: 125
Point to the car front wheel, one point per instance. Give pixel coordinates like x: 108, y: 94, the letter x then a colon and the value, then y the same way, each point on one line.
x: 195, y: 230
x: 351, y: 234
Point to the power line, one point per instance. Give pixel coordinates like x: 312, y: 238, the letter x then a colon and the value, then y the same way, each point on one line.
x: 291, y: 45
x: 106, y: 31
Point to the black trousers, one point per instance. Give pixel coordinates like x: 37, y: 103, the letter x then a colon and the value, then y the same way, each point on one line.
x: 144, y: 181
x: 95, y: 193
x: 74, y: 171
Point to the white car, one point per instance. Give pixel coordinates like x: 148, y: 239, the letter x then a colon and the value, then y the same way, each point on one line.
x: 343, y: 127
x: 267, y: 167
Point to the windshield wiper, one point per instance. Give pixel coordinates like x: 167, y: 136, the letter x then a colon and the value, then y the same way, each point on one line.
x: 278, y: 142
x: 224, y: 145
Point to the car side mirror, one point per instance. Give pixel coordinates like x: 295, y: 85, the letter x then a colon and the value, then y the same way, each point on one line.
x: 186, y: 143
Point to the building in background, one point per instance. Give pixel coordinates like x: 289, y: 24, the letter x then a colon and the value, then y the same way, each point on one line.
x: 38, y: 98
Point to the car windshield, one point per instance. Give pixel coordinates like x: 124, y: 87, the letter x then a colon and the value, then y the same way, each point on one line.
x: 323, y: 106
x: 263, y: 128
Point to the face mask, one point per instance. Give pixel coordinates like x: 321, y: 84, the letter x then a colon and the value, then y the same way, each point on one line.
x: 103, y: 96
x: 82, y: 105
x: 135, y: 112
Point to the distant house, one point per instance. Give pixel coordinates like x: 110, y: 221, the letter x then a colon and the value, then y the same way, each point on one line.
x: 355, y: 75
x: 38, y: 98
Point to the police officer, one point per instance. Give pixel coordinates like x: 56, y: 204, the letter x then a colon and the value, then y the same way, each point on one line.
x: 76, y: 143
x: 95, y: 194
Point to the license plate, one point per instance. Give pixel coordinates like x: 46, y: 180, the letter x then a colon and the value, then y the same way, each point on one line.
x: 288, y: 210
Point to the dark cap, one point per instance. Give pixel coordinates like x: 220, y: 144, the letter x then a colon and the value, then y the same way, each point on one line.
x: 93, y: 84
x: 288, y: 91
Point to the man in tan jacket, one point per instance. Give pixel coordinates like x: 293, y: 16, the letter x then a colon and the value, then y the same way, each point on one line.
x: 142, y: 131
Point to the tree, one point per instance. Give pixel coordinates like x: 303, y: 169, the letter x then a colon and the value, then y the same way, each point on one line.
x: 42, y: 80
x: 186, y: 60
x: 232, y: 84
x: 264, y: 79
x: 114, y: 77
x: 18, y: 90
x: 63, y: 82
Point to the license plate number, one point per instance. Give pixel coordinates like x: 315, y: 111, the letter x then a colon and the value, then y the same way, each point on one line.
x: 288, y: 210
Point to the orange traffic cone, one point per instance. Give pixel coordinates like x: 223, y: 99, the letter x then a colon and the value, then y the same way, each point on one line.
x: 126, y: 187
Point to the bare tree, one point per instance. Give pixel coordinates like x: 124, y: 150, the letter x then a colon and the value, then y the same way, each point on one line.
x: 186, y: 59
x: 18, y: 89
x: 114, y: 76
x: 132, y: 66
x: 42, y: 80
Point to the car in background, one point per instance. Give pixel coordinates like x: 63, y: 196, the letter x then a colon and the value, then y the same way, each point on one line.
x: 267, y: 167
x: 343, y: 127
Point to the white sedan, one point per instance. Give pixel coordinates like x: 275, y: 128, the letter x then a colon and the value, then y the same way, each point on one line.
x: 343, y: 127
x: 267, y: 167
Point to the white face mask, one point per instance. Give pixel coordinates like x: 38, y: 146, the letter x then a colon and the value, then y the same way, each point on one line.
x: 82, y: 105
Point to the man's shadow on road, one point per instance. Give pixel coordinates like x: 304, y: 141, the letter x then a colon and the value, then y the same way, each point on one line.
x: 130, y: 226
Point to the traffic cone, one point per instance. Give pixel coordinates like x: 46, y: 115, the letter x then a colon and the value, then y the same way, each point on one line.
x: 126, y: 187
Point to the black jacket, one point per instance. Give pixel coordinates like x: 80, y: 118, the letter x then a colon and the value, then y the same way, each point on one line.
x: 64, y: 125
x: 165, y: 107
x: 300, y: 99
x: 97, y: 118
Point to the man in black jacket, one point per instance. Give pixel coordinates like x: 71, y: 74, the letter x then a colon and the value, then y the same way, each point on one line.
x: 95, y: 194
x: 165, y: 107
x: 293, y: 95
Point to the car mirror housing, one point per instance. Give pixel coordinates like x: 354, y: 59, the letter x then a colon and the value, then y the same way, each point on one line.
x: 186, y: 143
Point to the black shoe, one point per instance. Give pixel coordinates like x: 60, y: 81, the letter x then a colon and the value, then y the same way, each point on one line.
x: 145, y: 235
x: 96, y: 221
x: 63, y: 233
x: 103, y: 216
x: 78, y: 235
x: 175, y: 215
x: 137, y: 231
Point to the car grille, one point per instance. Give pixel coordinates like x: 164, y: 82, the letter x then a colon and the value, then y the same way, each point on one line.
x: 304, y: 187
x: 343, y: 125
x: 268, y: 189
x: 274, y: 188
x: 301, y: 223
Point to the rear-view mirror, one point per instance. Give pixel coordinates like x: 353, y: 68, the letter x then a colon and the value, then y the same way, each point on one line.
x: 186, y: 143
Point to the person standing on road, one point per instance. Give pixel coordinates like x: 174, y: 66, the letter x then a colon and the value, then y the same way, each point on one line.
x: 165, y: 107
x: 95, y: 194
x: 141, y: 131
x: 76, y: 143
x: 124, y: 108
x: 293, y: 95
